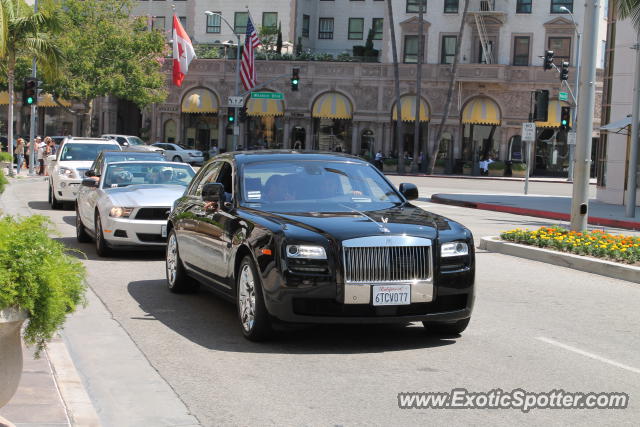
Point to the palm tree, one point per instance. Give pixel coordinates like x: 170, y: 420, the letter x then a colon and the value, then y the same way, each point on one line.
x: 25, y: 33
x: 447, y: 107
x: 629, y: 9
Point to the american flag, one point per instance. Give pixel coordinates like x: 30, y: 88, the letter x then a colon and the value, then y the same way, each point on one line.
x: 248, y: 68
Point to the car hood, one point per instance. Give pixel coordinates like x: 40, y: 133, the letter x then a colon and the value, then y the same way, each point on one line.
x: 145, y: 195
x: 409, y: 220
x: 80, y: 164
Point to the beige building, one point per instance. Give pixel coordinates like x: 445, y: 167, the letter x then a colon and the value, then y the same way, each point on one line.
x: 613, y: 157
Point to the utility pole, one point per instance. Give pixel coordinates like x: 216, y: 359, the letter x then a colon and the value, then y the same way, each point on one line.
x: 32, y: 125
x: 632, y: 173
x: 580, y: 197
x: 416, y: 132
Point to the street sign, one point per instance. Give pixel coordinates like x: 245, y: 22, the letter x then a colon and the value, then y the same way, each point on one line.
x: 563, y: 96
x: 235, y: 101
x: 267, y: 95
x: 529, y: 131
x: 571, y: 137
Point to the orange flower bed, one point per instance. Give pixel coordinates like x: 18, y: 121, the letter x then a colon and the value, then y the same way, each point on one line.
x: 594, y: 243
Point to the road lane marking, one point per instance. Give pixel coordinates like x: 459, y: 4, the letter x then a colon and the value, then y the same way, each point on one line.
x: 587, y: 354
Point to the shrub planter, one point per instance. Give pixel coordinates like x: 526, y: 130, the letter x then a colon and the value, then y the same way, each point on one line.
x: 496, y: 172
x: 466, y: 170
x: 11, y: 320
x: 518, y: 173
x: 438, y: 170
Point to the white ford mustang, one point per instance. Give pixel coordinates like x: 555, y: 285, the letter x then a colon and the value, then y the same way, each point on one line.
x: 127, y: 204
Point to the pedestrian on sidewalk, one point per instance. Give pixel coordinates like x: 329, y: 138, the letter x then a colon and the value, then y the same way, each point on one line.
x: 49, y: 150
x: 19, y: 152
x: 377, y: 160
x: 27, y: 154
x: 40, y: 147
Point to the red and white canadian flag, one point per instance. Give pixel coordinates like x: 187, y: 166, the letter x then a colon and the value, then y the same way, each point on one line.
x: 183, y: 52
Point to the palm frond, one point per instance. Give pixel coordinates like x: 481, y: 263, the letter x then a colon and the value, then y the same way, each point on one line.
x: 629, y: 9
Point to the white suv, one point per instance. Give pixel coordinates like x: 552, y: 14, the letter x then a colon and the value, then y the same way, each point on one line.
x: 66, y: 169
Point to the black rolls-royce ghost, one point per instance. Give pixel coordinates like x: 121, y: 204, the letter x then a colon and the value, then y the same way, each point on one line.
x: 314, y: 237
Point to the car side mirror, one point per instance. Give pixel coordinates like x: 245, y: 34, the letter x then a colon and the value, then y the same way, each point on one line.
x: 89, y: 173
x: 88, y: 182
x: 409, y: 191
x: 213, y: 192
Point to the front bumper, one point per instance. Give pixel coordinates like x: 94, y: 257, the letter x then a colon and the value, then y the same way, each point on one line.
x: 127, y: 232
x: 198, y: 161
x: 67, y: 189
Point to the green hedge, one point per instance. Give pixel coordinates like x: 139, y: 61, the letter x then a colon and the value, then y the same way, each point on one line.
x: 3, y: 181
x: 5, y: 157
x: 519, y: 167
x: 39, y: 276
x: 496, y: 165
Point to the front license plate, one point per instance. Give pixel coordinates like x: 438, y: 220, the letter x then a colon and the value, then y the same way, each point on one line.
x: 391, y: 294
x: 163, y: 230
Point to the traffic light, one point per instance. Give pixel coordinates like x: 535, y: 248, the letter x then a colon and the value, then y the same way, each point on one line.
x: 548, y: 60
x: 30, y: 91
x: 564, y: 71
x: 541, y: 109
x: 242, y: 114
x: 565, y: 117
x: 231, y: 115
x: 295, y: 78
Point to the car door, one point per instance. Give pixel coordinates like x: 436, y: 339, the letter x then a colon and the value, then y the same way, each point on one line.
x: 186, y: 220
x: 88, y: 198
x: 215, y: 229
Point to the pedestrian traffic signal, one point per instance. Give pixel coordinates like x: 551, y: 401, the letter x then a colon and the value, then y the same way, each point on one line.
x: 565, y: 117
x: 30, y: 91
x: 231, y: 117
x: 295, y: 78
x: 564, y: 71
x: 541, y: 108
x: 242, y: 114
x: 548, y: 60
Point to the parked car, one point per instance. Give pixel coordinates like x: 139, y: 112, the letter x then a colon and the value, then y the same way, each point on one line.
x: 132, y: 143
x: 178, y: 153
x: 66, y: 169
x: 129, y: 204
x: 121, y: 156
x: 318, y: 238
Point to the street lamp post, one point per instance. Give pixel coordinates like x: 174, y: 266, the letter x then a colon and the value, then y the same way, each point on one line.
x: 577, y: 89
x: 236, y: 129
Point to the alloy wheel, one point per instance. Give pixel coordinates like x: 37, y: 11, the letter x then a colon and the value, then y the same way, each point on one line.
x: 247, y: 298
x: 172, y: 259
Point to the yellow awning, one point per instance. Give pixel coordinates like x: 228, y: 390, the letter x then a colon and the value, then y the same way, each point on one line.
x: 4, y: 98
x: 46, y: 100
x: 199, y: 101
x: 332, y: 105
x: 481, y: 111
x: 408, y: 109
x: 553, y: 116
x: 265, y: 107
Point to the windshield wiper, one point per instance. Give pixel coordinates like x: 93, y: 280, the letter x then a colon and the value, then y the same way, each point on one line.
x: 381, y: 226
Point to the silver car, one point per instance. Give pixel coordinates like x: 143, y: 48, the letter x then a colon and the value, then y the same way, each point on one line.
x: 178, y: 153
x: 127, y: 204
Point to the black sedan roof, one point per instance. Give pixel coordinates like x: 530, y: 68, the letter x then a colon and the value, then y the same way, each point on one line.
x: 284, y: 155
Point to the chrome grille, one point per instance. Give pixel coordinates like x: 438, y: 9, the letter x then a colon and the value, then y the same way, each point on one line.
x: 405, y: 259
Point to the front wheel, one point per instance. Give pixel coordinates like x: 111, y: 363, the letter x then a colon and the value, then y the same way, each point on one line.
x: 102, y: 249
x: 252, y: 313
x: 177, y: 159
x: 177, y: 278
x: 53, y: 202
x: 81, y: 232
x: 447, y: 328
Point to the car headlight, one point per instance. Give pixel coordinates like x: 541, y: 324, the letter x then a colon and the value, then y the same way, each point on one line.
x: 306, y: 252
x: 120, y: 212
x: 454, y: 249
x: 67, y: 172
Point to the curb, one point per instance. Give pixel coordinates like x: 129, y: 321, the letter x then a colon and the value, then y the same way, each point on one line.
x: 486, y: 178
x: 560, y: 216
x: 577, y: 262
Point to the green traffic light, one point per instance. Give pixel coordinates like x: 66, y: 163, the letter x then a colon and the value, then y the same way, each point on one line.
x: 231, y: 118
x: 294, y: 81
x: 29, y: 100
x: 564, y: 123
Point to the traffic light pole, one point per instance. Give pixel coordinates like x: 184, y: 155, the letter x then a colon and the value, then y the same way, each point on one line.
x: 236, y: 128
x: 580, y: 197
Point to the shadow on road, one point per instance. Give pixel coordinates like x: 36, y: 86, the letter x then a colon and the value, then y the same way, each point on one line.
x: 39, y: 205
x: 88, y: 251
x: 211, y: 322
x: 70, y: 220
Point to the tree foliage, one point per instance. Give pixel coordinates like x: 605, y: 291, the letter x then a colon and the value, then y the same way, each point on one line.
x: 630, y: 9
x: 109, y: 52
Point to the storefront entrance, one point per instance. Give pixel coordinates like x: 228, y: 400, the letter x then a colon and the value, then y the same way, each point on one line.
x: 199, y: 120
x: 332, y: 123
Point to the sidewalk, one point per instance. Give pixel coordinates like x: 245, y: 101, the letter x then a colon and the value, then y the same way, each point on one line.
x: 552, y: 207
x: 558, y: 180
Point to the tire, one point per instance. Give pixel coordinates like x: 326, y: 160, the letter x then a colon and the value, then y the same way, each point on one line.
x: 177, y: 279
x: 444, y: 328
x: 81, y: 232
x: 102, y: 249
x: 177, y: 159
x: 53, y: 202
x: 252, y: 312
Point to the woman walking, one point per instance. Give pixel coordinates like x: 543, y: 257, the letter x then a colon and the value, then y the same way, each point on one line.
x: 19, y: 152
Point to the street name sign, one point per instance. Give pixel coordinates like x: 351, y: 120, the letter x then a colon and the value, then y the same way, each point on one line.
x: 267, y: 95
x: 235, y: 101
x: 529, y: 131
x: 571, y: 137
x: 563, y: 96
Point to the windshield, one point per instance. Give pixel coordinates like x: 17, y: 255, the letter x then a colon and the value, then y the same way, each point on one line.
x: 134, y: 140
x: 315, y: 186
x: 83, y: 152
x: 128, y: 156
x: 125, y: 174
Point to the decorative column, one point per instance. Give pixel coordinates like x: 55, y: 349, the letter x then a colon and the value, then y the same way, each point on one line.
x: 379, y: 139
x: 355, y: 133
x: 222, y: 132
x: 286, y: 137
x: 387, y: 144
